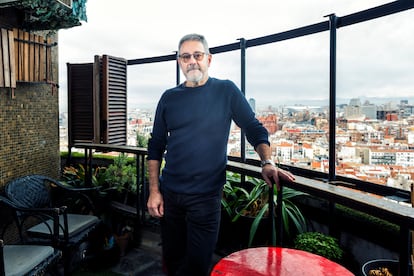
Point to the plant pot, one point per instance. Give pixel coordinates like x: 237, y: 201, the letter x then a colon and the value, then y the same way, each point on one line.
x: 391, y: 265
x: 123, y: 242
x: 263, y: 232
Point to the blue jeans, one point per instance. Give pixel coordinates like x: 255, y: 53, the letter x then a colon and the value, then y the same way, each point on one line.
x: 189, y: 231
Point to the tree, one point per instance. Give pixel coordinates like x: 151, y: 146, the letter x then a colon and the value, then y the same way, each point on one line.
x: 142, y: 141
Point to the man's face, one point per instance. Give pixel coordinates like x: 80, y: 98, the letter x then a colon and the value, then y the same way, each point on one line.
x: 194, y: 62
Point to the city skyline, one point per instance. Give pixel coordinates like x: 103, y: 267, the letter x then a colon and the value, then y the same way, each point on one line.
x: 318, y: 103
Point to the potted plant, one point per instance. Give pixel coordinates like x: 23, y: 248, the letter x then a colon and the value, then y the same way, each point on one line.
x: 76, y: 177
x: 121, y: 179
x: 117, y: 182
x: 252, y: 201
x: 320, y: 244
x: 381, y: 267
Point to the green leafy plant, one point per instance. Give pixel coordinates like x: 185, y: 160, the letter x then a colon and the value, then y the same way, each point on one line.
x: 120, y: 175
x: 142, y: 141
x: 320, y: 244
x: 77, y: 176
x: 241, y: 201
x: 118, y: 179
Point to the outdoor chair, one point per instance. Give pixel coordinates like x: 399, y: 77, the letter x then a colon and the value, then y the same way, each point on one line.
x: 19, y: 259
x: 38, y: 191
x: 22, y: 260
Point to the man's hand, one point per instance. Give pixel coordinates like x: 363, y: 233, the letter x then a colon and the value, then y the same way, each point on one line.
x: 271, y: 174
x: 155, y: 204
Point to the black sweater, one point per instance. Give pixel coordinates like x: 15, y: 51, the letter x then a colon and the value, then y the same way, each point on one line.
x: 192, y: 128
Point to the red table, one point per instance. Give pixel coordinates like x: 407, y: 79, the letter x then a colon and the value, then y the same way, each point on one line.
x: 277, y: 261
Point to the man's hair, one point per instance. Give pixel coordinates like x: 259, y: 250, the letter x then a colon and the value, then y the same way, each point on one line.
x: 194, y: 37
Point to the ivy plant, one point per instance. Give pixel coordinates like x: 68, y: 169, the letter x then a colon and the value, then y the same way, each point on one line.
x: 52, y: 15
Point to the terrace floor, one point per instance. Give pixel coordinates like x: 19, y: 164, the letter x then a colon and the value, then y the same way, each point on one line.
x: 142, y: 260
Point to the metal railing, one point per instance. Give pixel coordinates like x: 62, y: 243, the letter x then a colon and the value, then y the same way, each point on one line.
x: 332, y: 24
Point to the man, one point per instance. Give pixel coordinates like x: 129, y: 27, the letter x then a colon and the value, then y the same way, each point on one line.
x: 191, y: 127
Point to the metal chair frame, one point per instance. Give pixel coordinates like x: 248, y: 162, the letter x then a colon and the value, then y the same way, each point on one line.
x: 39, y: 192
x: 19, y: 258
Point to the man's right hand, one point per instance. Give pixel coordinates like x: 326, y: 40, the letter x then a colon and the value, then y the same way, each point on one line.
x: 155, y: 204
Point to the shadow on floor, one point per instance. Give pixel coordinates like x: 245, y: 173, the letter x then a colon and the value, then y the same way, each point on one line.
x: 143, y: 260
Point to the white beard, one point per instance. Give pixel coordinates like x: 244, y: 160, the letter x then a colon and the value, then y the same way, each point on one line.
x: 194, y: 76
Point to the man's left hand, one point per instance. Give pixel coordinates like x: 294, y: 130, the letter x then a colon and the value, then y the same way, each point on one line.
x: 273, y: 174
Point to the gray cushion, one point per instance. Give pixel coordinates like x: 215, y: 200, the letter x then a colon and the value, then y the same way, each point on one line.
x: 21, y: 259
x: 76, y: 224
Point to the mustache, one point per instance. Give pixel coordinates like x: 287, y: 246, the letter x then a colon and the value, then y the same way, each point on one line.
x: 192, y: 67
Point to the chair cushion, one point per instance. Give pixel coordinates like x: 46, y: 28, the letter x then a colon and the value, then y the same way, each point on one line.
x: 76, y: 225
x: 22, y: 259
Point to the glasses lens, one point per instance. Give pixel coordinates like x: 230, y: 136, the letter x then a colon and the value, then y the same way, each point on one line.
x: 185, y: 57
x: 198, y: 56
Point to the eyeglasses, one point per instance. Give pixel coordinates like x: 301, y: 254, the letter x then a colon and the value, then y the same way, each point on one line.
x: 198, y: 56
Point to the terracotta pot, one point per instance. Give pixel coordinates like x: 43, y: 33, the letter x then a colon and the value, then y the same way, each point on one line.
x: 123, y: 242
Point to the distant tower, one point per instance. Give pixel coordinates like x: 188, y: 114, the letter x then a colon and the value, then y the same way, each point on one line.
x: 353, y: 110
x: 252, y: 103
x: 369, y: 110
x: 355, y: 102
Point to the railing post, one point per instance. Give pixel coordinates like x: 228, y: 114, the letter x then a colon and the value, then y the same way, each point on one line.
x: 333, y: 20
x: 138, y: 200
x: 144, y: 193
x: 177, y: 70
x: 243, y: 90
x: 405, y: 248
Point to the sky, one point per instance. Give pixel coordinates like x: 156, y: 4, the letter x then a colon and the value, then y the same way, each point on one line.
x: 372, y: 58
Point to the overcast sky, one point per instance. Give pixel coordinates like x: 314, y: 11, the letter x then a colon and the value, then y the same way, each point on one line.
x: 372, y: 57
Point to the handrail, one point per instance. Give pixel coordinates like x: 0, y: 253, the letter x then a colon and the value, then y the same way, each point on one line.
x: 110, y: 147
x: 352, y: 198
x: 385, y: 209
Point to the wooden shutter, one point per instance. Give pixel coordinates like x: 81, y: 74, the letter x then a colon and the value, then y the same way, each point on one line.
x: 33, y: 57
x: 7, y: 59
x: 83, y: 103
x: 97, y: 101
x: 114, y: 100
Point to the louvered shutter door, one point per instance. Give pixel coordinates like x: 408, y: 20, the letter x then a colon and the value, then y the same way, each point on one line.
x: 114, y: 100
x: 83, y: 104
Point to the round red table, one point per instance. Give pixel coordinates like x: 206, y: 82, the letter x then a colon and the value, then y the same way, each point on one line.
x: 277, y: 261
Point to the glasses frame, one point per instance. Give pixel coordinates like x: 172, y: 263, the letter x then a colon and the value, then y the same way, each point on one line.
x: 198, y: 56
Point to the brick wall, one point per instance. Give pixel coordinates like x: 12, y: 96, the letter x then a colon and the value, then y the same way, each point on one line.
x: 29, y: 129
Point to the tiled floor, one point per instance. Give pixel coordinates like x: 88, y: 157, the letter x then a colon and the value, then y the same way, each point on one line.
x: 143, y: 260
